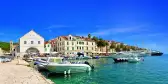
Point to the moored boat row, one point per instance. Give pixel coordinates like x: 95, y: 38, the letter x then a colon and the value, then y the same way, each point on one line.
x: 58, y: 65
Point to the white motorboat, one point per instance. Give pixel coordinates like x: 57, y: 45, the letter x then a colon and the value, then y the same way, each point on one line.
x: 57, y: 65
x: 40, y: 63
x: 134, y: 59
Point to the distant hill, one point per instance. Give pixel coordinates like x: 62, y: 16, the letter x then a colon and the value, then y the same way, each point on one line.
x: 5, y: 46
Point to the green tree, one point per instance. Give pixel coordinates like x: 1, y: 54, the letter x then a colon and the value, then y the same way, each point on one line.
x: 89, y: 35
x: 5, y: 46
x: 125, y: 48
x: 101, y: 43
x: 118, y: 49
x: 95, y: 39
x: 121, y: 45
x: 133, y: 47
x: 106, y: 44
x: 113, y: 45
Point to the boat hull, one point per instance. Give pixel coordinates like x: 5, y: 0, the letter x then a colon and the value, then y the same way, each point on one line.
x: 74, y: 68
x: 120, y: 60
x: 133, y: 60
x: 156, y: 54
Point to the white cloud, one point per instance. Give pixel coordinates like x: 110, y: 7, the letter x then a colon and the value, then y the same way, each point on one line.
x: 52, y: 27
x: 56, y: 26
x: 146, y: 35
x: 111, y: 31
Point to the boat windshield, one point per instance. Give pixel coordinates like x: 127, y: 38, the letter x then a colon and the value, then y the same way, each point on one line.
x: 55, y: 60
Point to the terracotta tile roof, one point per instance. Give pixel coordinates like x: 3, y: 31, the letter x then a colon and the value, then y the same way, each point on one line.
x: 64, y: 37
x: 46, y: 42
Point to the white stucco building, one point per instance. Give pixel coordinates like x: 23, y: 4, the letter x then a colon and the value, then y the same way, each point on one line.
x: 31, y: 43
x: 48, y: 48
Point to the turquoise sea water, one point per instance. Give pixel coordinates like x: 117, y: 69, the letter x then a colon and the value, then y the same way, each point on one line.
x: 153, y: 70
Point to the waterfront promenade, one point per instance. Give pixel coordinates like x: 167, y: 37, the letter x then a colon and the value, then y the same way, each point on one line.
x: 11, y: 73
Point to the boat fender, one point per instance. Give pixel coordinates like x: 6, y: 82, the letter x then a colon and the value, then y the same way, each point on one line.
x: 65, y: 73
x: 69, y: 71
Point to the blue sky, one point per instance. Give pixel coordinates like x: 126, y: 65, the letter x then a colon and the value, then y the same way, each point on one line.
x: 136, y: 22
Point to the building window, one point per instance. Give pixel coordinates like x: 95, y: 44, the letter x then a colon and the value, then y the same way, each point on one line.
x: 25, y: 42
x: 67, y: 48
x: 77, y: 48
x: 82, y: 48
x: 92, y: 48
x: 67, y: 43
x: 38, y: 42
x: 77, y: 42
x: 32, y: 42
x: 92, y: 43
x: 87, y: 48
x: 87, y: 43
x: 48, y: 45
x: 72, y: 48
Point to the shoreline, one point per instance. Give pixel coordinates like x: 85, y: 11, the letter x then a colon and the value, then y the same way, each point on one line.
x: 13, y: 73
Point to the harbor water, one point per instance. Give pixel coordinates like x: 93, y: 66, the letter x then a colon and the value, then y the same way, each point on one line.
x: 153, y: 70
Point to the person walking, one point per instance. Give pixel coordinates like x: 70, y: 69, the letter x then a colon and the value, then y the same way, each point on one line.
x: 18, y: 59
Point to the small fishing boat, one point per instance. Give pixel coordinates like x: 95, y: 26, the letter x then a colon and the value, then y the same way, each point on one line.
x: 120, y: 57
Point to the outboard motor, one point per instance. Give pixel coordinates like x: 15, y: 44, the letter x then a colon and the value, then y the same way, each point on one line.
x: 92, y: 67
